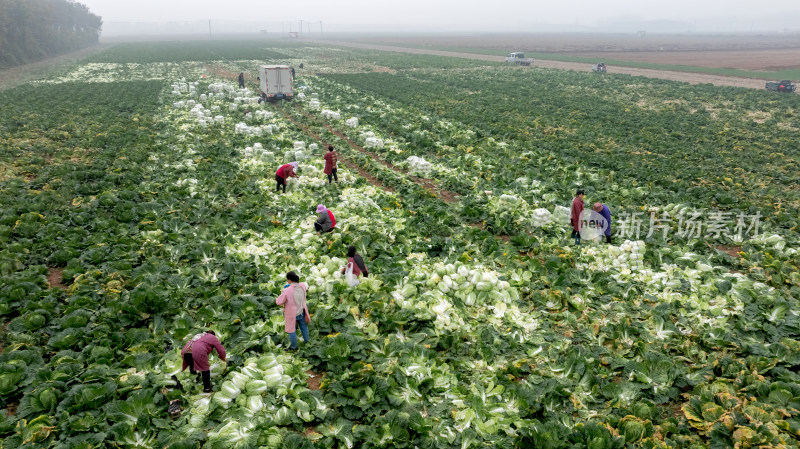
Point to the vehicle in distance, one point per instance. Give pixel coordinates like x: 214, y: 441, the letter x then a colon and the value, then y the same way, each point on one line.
x: 781, y: 86
x: 519, y: 58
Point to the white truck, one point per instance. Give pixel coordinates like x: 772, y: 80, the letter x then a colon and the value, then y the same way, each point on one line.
x: 276, y: 82
x: 519, y: 58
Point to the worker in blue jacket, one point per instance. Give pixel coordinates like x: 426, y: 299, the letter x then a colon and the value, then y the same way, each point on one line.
x: 602, y: 209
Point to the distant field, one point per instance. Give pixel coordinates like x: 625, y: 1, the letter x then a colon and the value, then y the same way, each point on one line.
x: 756, y: 56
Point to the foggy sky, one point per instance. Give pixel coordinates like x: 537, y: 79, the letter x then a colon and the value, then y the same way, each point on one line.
x: 453, y: 15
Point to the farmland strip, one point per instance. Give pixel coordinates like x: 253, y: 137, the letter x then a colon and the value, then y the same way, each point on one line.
x: 686, y: 77
x: 365, y: 174
x: 445, y: 195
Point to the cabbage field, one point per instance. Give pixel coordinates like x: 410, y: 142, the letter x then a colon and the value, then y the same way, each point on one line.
x: 139, y: 208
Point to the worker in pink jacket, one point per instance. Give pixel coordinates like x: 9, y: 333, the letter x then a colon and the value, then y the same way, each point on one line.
x: 295, y: 309
x: 195, y: 356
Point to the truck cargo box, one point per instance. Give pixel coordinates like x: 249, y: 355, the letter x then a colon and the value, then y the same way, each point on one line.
x: 276, y: 82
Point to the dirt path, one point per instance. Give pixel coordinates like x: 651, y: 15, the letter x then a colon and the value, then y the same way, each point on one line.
x: 427, y: 184
x: 314, y: 380
x: 54, y: 276
x: 687, y: 77
x: 349, y: 164
x: 36, y: 70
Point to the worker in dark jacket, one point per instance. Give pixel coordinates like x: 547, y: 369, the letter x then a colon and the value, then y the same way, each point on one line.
x: 326, y: 222
x: 195, y: 356
x: 241, y: 80
x: 354, y: 258
x: 575, y: 216
x: 603, y: 210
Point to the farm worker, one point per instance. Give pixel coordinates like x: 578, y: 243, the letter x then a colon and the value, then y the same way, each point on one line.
x: 575, y: 216
x: 284, y: 172
x: 241, y: 80
x: 292, y: 71
x: 295, y: 309
x: 602, y: 209
x: 330, y: 164
x: 195, y: 356
x: 326, y: 222
x: 358, y: 262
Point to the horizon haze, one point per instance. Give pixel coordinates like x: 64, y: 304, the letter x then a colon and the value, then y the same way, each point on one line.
x: 447, y: 16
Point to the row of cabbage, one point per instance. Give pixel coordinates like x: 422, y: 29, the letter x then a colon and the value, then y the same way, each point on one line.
x: 473, y: 287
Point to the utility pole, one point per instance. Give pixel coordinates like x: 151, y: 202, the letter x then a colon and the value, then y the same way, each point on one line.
x: 301, y: 27
x: 209, y: 28
x: 320, y: 27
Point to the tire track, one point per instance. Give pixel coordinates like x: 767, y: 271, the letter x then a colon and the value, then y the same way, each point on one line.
x: 427, y: 184
x: 349, y: 164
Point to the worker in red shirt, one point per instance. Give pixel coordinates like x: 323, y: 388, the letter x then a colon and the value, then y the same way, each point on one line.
x: 285, y: 172
x: 354, y: 258
x: 575, y: 216
x: 330, y: 164
x: 195, y: 356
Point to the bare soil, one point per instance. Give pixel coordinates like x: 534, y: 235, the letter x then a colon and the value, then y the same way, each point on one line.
x: 313, y: 381
x: 54, y: 278
x: 732, y: 251
x: 382, y: 69
x: 221, y: 72
x: 15, y: 76
x: 759, y: 52
x: 427, y: 184
x: 687, y: 77
x: 757, y: 60
x: 349, y: 164
x: 2, y: 334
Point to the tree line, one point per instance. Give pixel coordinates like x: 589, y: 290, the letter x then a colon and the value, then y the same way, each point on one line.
x: 31, y: 30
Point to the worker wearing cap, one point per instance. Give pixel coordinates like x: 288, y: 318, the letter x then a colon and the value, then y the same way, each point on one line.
x: 602, y: 209
x: 326, y: 222
x: 575, y: 216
